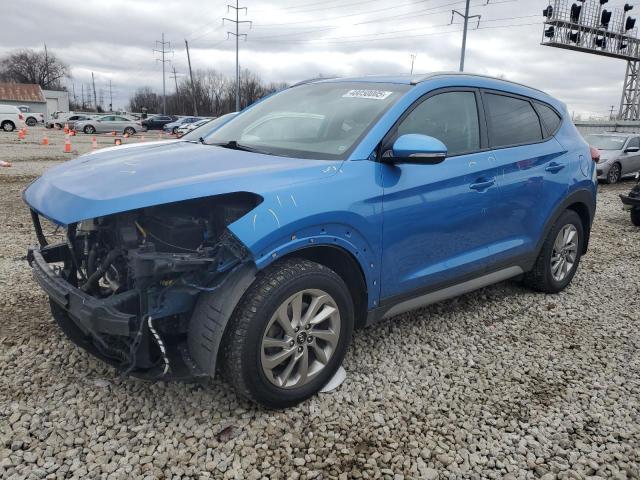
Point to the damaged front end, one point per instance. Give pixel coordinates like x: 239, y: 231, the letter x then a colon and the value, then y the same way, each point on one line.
x: 124, y: 286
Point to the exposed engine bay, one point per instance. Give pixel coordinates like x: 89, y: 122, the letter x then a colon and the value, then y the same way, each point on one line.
x: 145, y: 268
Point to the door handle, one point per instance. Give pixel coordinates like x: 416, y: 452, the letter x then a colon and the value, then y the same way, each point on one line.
x: 554, y: 167
x: 482, y: 184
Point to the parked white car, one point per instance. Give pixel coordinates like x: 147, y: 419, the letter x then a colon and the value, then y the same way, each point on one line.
x: 31, y: 118
x: 10, y: 118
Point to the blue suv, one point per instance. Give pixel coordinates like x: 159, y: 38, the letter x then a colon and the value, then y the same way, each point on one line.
x: 330, y: 205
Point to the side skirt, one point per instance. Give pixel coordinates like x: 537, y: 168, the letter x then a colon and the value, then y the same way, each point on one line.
x: 444, y: 293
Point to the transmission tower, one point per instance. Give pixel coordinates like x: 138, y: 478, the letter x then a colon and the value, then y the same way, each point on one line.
x: 466, y: 17
x: 237, y: 34
x: 163, y: 48
x: 586, y: 26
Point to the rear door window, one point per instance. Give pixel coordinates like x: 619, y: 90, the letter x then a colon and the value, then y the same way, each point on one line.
x: 511, y: 121
x: 634, y: 143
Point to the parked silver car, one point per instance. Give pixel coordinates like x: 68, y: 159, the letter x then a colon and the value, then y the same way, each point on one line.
x: 619, y: 154
x: 110, y: 123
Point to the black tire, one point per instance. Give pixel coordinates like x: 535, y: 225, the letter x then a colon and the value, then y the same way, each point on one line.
x: 635, y: 216
x: 130, y: 131
x: 242, y: 339
x: 615, y: 174
x: 541, y: 278
x: 31, y: 122
x: 8, y: 126
x: 89, y: 129
x: 174, y: 130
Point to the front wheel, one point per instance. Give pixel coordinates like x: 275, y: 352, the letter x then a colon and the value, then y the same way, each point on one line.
x: 89, y: 129
x: 289, y: 334
x: 560, y: 255
x: 31, y: 122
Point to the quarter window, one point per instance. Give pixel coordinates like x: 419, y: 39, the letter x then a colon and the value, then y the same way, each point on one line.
x: 451, y: 117
x: 634, y: 143
x: 512, y: 121
x: 549, y: 117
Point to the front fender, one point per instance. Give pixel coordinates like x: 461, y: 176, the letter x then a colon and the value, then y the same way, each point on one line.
x: 344, y: 211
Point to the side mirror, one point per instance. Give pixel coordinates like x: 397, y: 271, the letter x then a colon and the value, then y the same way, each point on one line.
x: 632, y: 150
x: 417, y: 148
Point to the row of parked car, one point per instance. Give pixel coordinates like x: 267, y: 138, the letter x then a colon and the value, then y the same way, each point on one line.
x: 126, y: 123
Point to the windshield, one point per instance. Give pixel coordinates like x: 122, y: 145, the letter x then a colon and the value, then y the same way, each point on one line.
x: 318, y: 120
x: 606, y: 142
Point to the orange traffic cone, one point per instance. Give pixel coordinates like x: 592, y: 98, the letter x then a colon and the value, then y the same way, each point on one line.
x: 45, y: 140
x: 94, y: 143
x: 118, y: 141
x: 126, y: 135
x: 67, y: 144
x: 142, y: 138
x: 66, y: 128
x: 4, y: 164
x: 20, y: 134
x: 72, y: 133
x: 113, y: 134
x: 160, y: 135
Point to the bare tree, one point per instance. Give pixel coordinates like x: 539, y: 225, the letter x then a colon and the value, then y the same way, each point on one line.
x: 33, y: 66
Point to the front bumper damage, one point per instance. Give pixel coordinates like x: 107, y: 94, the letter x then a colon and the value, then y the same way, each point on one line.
x: 145, y: 331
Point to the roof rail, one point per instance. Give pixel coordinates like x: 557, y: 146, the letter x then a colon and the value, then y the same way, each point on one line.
x: 311, y: 80
x: 428, y: 76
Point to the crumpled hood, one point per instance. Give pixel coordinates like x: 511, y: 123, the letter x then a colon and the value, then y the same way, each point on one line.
x: 113, y: 181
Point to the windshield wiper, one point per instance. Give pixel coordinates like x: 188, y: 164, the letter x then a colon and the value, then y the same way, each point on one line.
x: 234, y: 145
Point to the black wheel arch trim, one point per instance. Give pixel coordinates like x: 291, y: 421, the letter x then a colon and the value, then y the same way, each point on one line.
x: 211, y: 315
x: 583, y: 197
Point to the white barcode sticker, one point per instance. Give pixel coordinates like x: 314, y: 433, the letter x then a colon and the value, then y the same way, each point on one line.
x: 372, y: 94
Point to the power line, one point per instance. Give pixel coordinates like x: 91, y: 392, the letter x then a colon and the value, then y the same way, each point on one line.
x: 237, y: 34
x: 165, y: 47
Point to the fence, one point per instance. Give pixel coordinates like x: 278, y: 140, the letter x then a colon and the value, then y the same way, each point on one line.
x: 624, y: 126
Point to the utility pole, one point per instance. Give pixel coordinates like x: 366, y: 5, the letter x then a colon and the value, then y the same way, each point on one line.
x: 175, y: 78
x: 95, y: 99
x: 75, y: 99
x: 237, y: 34
x: 110, y: 97
x: 413, y: 59
x: 193, y: 88
x: 46, y: 66
x: 82, y: 85
x: 611, y: 109
x: 466, y: 18
x: 164, y: 48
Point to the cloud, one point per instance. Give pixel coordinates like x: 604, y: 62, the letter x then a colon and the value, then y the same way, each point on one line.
x: 289, y: 41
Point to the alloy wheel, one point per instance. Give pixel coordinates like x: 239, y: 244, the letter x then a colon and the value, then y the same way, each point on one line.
x: 614, y: 173
x: 565, y: 252
x: 300, y: 338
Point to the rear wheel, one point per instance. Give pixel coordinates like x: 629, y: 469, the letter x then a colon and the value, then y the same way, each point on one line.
x: 635, y: 216
x: 89, y: 129
x: 8, y: 126
x: 32, y: 122
x: 615, y: 172
x: 289, y: 334
x: 560, y: 255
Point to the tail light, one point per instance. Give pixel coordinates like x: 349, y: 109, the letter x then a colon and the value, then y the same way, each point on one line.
x: 20, y: 116
x: 595, y: 154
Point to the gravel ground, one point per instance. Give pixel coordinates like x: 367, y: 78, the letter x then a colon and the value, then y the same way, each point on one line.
x: 500, y: 383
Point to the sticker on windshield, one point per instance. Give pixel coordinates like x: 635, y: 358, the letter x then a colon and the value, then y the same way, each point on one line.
x: 373, y: 94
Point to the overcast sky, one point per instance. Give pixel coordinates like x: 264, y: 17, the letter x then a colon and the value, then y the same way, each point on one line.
x: 293, y: 40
